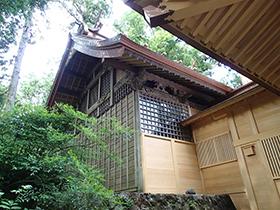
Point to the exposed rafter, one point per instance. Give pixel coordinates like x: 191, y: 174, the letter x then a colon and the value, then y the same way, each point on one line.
x: 243, y: 34
x: 186, y: 9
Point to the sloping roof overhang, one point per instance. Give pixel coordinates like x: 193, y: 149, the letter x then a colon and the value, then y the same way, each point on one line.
x: 123, y: 49
x: 243, y: 34
x: 239, y: 95
x: 120, y: 45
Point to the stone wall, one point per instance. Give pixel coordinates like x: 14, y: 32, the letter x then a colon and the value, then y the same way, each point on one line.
x: 145, y: 201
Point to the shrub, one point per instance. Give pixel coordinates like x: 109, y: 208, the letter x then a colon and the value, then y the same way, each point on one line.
x: 41, y: 165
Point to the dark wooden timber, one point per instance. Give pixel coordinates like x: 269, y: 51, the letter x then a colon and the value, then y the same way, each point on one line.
x: 131, y: 56
x: 61, y: 69
x: 155, y: 16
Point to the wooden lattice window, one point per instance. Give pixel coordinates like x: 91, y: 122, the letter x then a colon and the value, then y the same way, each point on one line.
x: 121, y: 92
x: 271, y: 148
x: 93, y: 95
x: 105, y: 84
x: 215, y: 150
x: 99, y: 91
x: 161, y: 117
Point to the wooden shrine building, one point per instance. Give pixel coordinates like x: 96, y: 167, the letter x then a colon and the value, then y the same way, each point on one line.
x: 144, y: 91
x: 189, y: 131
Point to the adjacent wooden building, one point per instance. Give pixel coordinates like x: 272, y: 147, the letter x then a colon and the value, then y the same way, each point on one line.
x: 189, y: 131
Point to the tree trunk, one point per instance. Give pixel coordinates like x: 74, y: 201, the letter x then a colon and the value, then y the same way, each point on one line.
x: 12, y: 91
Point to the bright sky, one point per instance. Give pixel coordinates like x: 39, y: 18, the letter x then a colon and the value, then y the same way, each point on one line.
x: 44, y: 55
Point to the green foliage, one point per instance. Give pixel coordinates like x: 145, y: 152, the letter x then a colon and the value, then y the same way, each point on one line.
x: 11, y: 13
x: 166, y: 44
x: 11, y: 7
x: 92, y: 10
x: 3, y: 91
x: 8, y: 204
x: 87, y: 12
x: 41, y: 163
x: 232, y: 79
x: 133, y: 26
x: 34, y: 90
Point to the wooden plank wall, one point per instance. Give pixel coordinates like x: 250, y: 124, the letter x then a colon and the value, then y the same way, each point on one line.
x: 169, y: 165
x: 217, y: 160
x: 252, y: 177
x: 256, y: 130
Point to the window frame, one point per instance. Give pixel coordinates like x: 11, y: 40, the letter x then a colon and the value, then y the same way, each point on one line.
x: 97, y: 81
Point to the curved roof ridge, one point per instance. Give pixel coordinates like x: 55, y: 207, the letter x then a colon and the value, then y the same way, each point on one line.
x: 121, y: 40
x: 173, y: 64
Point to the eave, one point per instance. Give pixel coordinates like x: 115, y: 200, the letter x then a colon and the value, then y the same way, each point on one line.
x: 248, y: 91
x: 241, y: 34
x: 137, y: 57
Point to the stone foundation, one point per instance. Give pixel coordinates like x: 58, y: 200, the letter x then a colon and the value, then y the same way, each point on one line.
x: 181, y: 202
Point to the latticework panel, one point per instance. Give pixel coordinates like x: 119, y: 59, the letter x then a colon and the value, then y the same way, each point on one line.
x: 206, y: 153
x: 104, y: 106
x: 271, y: 148
x: 121, y: 92
x: 93, y: 95
x: 215, y: 150
x: 119, y: 172
x: 105, y: 85
x: 161, y: 117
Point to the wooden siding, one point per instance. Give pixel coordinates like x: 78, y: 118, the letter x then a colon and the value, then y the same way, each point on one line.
x: 169, y: 165
x: 120, y: 174
x: 217, y: 159
x: 253, y: 179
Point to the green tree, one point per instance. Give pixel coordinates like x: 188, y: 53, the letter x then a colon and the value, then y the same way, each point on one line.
x: 11, y: 13
x: 85, y: 12
x: 2, y: 95
x: 35, y: 90
x: 11, y: 16
x: 168, y: 45
x: 41, y: 163
x: 134, y: 27
x: 232, y: 79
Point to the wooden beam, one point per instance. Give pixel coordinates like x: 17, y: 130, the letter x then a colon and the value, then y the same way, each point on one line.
x: 262, y: 44
x: 223, y: 105
x: 75, y: 74
x: 222, y: 20
x: 256, y: 36
x: 274, y: 80
x: 272, y: 73
x: 234, y: 27
x: 203, y: 22
x: 68, y: 53
x: 70, y: 92
x: 270, y: 49
x: 261, y: 73
x: 195, y: 8
x: 156, y: 16
x: 248, y: 26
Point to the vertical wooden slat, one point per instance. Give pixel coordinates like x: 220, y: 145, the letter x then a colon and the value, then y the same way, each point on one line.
x: 126, y: 140
x: 271, y: 147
